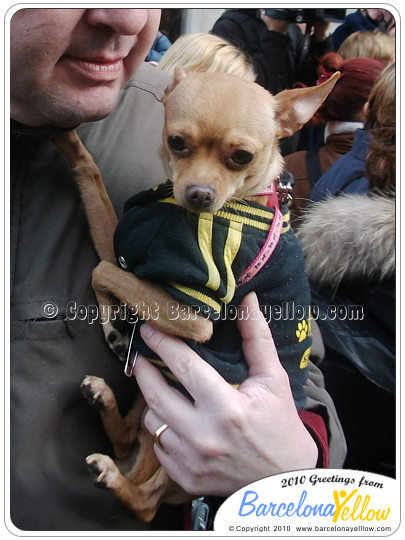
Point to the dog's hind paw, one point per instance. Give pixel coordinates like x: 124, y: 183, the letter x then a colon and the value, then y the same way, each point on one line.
x: 104, y: 471
x: 98, y: 393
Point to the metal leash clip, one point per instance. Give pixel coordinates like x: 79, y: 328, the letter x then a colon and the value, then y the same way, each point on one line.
x: 203, y: 512
x: 200, y: 514
x: 132, y: 354
x: 284, y: 190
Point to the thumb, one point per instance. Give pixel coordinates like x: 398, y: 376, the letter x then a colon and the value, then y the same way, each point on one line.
x: 257, y: 342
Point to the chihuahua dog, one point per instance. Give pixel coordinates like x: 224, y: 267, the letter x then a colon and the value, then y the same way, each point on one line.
x: 221, y: 141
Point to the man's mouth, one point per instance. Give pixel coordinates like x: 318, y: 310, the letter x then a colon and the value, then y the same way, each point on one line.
x: 96, y: 69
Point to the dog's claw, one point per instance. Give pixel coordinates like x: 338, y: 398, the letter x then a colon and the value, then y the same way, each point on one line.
x: 93, y: 389
x: 103, y: 470
x: 101, y: 477
x: 94, y: 470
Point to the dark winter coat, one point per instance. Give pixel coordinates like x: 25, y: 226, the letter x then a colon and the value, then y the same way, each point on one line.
x: 54, y: 344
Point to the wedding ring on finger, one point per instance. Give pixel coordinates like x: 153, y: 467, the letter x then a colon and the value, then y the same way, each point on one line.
x: 157, y: 435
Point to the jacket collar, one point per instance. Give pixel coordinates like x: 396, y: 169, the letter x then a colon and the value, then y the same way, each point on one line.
x: 40, y: 132
x: 26, y: 140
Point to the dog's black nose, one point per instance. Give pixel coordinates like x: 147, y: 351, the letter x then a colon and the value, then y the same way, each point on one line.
x: 200, y: 197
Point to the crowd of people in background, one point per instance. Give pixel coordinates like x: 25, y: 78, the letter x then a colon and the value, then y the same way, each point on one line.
x: 342, y: 165
x: 343, y: 168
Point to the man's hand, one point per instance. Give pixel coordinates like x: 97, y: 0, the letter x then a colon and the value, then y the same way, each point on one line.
x: 228, y: 437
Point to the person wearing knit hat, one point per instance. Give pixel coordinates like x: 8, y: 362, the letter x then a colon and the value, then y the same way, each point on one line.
x: 341, y: 115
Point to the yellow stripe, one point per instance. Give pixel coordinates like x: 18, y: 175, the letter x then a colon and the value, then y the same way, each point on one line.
x: 158, y: 362
x: 197, y: 295
x: 170, y: 375
x: 260, y: 212
x: 241, y: 219
x: 169, y: 200
x: 231, y: 248
x: 239, y: 207
x: 244, y: 220
x: 205, y: 225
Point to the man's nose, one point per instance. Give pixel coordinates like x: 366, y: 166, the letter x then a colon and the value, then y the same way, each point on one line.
x: 127, y: 22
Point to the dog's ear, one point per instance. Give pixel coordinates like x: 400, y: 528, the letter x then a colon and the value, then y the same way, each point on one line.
x: 179, y: 75
x: 296, y: 107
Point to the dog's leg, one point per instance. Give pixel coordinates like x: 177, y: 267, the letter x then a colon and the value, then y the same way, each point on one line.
x: 99, y: 209
x: 121, y: 431
x: 153, y: 485
x: 145, y: 482
x: 144, y: 500
x: 137, y: 479
x: 103, y: 221
x: 142, y: 489
x: 150, y: 302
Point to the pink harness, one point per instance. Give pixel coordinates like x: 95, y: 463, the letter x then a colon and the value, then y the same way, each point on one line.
x: 275, y: 192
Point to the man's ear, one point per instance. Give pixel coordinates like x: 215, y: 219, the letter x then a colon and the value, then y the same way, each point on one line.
x: 296, y: 107
x: 179, y: 75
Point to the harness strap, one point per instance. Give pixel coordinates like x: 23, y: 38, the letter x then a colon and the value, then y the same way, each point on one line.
x: 267, y: 249
x: 272, y: 194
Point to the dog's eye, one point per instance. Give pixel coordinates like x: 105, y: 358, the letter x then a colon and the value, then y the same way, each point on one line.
x: 177, y: 144
x: 242, y: 157
x: 239, y: 159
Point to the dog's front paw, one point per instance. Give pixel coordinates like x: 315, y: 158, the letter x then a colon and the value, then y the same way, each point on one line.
x: 98, y: 393
x: 104, y: 471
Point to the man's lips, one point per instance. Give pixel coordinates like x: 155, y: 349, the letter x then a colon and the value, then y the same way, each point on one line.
x: 97, y: 69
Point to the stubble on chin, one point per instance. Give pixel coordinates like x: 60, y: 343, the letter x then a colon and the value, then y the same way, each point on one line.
x: 66, y: 109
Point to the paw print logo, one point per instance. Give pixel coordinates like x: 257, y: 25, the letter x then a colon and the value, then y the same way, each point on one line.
x: 302, y: 331
x: 305, y: 358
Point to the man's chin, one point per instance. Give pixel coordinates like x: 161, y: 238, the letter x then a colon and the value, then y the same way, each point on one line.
x: 74, y: 108
x: 72, y: 120
x: 67, y: 107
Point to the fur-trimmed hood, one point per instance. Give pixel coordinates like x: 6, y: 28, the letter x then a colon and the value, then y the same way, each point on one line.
x: 349, y: 237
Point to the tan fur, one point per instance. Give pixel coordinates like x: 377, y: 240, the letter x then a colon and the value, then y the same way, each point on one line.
x: 109, y: 280
x: 217, y: 115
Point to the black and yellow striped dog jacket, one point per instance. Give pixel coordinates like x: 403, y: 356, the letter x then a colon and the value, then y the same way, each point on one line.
x: 199, y: 260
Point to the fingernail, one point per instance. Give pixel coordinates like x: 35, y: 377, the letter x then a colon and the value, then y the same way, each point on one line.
x: 251, y: 298
x: 147, y: 331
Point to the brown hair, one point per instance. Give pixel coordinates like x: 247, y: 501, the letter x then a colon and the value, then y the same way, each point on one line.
x: 381, y: 121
